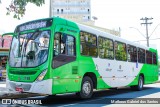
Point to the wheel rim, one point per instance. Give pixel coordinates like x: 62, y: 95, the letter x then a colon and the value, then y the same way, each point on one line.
x: 140, y: 83
x: 86, y: 88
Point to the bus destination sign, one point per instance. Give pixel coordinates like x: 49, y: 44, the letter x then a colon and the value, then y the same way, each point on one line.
x: 34, y: 25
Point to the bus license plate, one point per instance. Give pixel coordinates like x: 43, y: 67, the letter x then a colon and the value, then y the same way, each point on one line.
x: 19, y: 89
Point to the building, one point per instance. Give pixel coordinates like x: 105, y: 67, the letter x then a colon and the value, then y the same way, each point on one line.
x: 5, y: 42
x: 76, y: 10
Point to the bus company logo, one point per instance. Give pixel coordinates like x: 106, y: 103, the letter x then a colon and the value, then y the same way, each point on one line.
x: 120, y: 67
x: 109, y: 64
x: 109, y: 69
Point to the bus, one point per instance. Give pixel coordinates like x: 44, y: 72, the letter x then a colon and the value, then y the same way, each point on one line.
x: 57, y: 56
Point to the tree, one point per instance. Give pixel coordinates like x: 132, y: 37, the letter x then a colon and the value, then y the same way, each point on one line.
x: 18, y: 7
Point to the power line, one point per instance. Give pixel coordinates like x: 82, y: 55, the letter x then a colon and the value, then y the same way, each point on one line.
x: 146, y: 40
x: 154, y: 30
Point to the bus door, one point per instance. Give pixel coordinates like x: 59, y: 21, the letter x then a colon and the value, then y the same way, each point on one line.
x: 65, y: 64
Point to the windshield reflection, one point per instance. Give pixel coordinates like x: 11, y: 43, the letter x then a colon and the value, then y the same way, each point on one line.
x: 29, y: 50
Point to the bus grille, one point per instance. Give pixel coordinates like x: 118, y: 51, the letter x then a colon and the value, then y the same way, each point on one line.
x: 23, y: 72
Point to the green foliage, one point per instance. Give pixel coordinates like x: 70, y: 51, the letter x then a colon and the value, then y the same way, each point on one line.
x: 18, y: 7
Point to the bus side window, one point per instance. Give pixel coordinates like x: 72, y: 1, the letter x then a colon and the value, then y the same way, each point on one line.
x: 120, y: 51
x: 154, y: 58
x: 64, y: 44
x: 132, y: 53
x: 106, y: 49
x: 88, y: 44
x: 148, y: 57
x: 70, y: 46
x: 57, y: 47
x: 141, y: 55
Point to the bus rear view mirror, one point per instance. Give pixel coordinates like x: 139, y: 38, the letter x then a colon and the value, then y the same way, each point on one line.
x: 31, y: 55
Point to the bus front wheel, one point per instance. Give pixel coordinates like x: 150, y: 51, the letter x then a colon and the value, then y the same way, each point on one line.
x: 86, y: 88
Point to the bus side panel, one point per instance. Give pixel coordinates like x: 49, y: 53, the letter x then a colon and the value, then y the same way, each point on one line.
x: 117, y: 73
x: 87, y: 65
x: 66, y: 79
x: 150, y: 74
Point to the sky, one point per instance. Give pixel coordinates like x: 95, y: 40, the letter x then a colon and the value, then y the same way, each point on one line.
x: 111, y: 14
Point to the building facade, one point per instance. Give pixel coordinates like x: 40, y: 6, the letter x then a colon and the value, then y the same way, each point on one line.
x: 75, y: 10
x: 5, y: 42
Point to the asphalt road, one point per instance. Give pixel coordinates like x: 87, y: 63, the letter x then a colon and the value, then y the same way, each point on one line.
x: 99, y: 99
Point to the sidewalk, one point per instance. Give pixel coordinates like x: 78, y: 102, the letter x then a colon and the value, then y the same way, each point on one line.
x: 3, y: 90
x: 4, y: 93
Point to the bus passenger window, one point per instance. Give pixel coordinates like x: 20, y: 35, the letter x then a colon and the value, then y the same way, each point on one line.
x: 154, y: 57
x: 88, y: 44
x: 132, y: 53
x: 57, y: 44
x: 105, y: 48
x: 70, y: 46
x: 141, y: 55
x: 148, y: 57
x: 120, y: 51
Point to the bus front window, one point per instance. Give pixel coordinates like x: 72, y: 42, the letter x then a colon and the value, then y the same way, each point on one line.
x: 30, y: 49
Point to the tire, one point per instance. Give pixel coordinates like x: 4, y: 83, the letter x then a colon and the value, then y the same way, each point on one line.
x: 139, y: 87
x: 86, y: 88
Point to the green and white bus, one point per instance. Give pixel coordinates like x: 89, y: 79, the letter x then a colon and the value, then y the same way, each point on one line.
x: 55, y: 56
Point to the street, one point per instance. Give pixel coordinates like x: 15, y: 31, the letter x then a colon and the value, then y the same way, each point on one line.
x: 100, y: 98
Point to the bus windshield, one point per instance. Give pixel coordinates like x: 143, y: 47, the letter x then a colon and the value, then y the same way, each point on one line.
x: 30, y: 49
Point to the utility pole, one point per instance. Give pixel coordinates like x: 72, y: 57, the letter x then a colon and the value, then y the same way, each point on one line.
x: 50, y: 8
x: 146, y: 24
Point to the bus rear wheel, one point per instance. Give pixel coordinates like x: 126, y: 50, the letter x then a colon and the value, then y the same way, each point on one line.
x: 86, y: 88
x: 139, y: 87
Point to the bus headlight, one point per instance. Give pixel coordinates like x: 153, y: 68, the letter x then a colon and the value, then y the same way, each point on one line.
x: 41, y: 76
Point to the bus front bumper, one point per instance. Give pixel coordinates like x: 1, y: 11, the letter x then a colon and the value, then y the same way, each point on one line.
x: 42, y: 87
